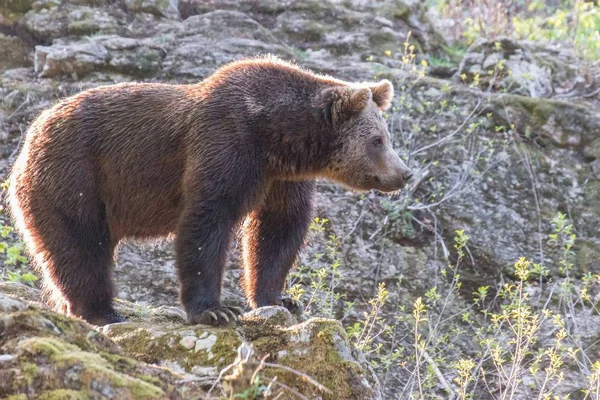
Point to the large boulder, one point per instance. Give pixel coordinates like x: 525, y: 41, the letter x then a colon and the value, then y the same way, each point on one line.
x: 137, y: 57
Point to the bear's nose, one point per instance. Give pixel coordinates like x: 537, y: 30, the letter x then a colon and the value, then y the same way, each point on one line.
x: 407, y: 175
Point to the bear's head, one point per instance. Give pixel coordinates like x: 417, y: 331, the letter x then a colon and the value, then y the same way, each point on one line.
x: 363, y: 158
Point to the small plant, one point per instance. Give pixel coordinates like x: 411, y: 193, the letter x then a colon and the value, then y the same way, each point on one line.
x: 371, y: 326
x: 323, y: 273
x: 13, y: 252
x: 593, y: 389
x: 463, y: 369
x: 27, y: 278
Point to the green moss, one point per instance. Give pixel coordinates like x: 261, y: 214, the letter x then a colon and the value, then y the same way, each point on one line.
x: 540, y: 109
x: 140, y: 344
x: 383, y: 38
x: 270, y: 344
x: 83, y: 27
x: 151, y: 380
x: 17, y: 397
x: 559, y: 121
x: 64, y: 394
x: 18, y: 6
x: 224, y: 350
x: 30, y: 372
x: 321, y: 361
x: 117, y: 359
x: 47, y: 346
x: 149, y: 62
x: 95, y: 367
x: 398, y: 10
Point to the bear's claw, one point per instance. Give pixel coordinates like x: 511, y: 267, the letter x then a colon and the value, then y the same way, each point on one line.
x: 216, y: 316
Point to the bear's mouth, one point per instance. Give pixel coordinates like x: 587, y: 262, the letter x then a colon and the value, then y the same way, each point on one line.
x: 382, y: 187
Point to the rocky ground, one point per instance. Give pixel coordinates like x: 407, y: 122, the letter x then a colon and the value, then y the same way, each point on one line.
x: 497, y: 154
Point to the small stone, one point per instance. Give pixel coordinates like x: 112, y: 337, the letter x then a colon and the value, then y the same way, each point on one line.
x: 6, y: 357
x: 189, y: 342
x: 206, y: 342
x: 168, y: 313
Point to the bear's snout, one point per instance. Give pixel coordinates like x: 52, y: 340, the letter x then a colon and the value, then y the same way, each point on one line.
x: 394, y: 175
x: 394, y: 181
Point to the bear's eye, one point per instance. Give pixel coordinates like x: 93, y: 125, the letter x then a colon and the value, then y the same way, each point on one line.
x: 377, y: 142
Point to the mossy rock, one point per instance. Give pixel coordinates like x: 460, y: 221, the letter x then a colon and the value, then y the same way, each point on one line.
x: 50, y: 356
x: 17, y: 6
x: 320, y: 349
x: 14, y: 53
x: 566, y: 125
x: 157, y: 355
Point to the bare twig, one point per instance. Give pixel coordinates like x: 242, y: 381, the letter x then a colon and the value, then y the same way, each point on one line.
x: 301, y: 375
x: 20, y: 106
x: 286, y: 387
x: 439, y: 374
x: 16, y: 150
x: 448, y: 137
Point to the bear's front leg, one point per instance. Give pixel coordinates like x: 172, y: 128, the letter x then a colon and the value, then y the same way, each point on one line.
x: 202, y: 242
x: 273, y: 236
x: 214, y: 205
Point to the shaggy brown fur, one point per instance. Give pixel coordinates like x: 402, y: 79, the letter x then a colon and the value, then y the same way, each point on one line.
x: 145, y: 160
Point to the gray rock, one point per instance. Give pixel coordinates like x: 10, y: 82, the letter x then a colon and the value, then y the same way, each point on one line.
x: 163, y: 8
x: 88, y: 20
x: 113, y: 53
x: 9, y: 304
x: 53, y: 21
x: 70, y: 59
x: 271, y: 315
x: 202, y: 48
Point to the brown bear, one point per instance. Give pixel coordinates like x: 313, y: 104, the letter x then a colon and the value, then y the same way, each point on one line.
x: 143, y: 160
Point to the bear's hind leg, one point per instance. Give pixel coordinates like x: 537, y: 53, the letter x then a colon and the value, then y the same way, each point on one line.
x: 74, y: 253
x: 272, y: 238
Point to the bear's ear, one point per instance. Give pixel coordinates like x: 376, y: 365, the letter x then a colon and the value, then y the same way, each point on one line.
x: 383, y: 92
x: 342, y: 102
x: 358, y: 99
